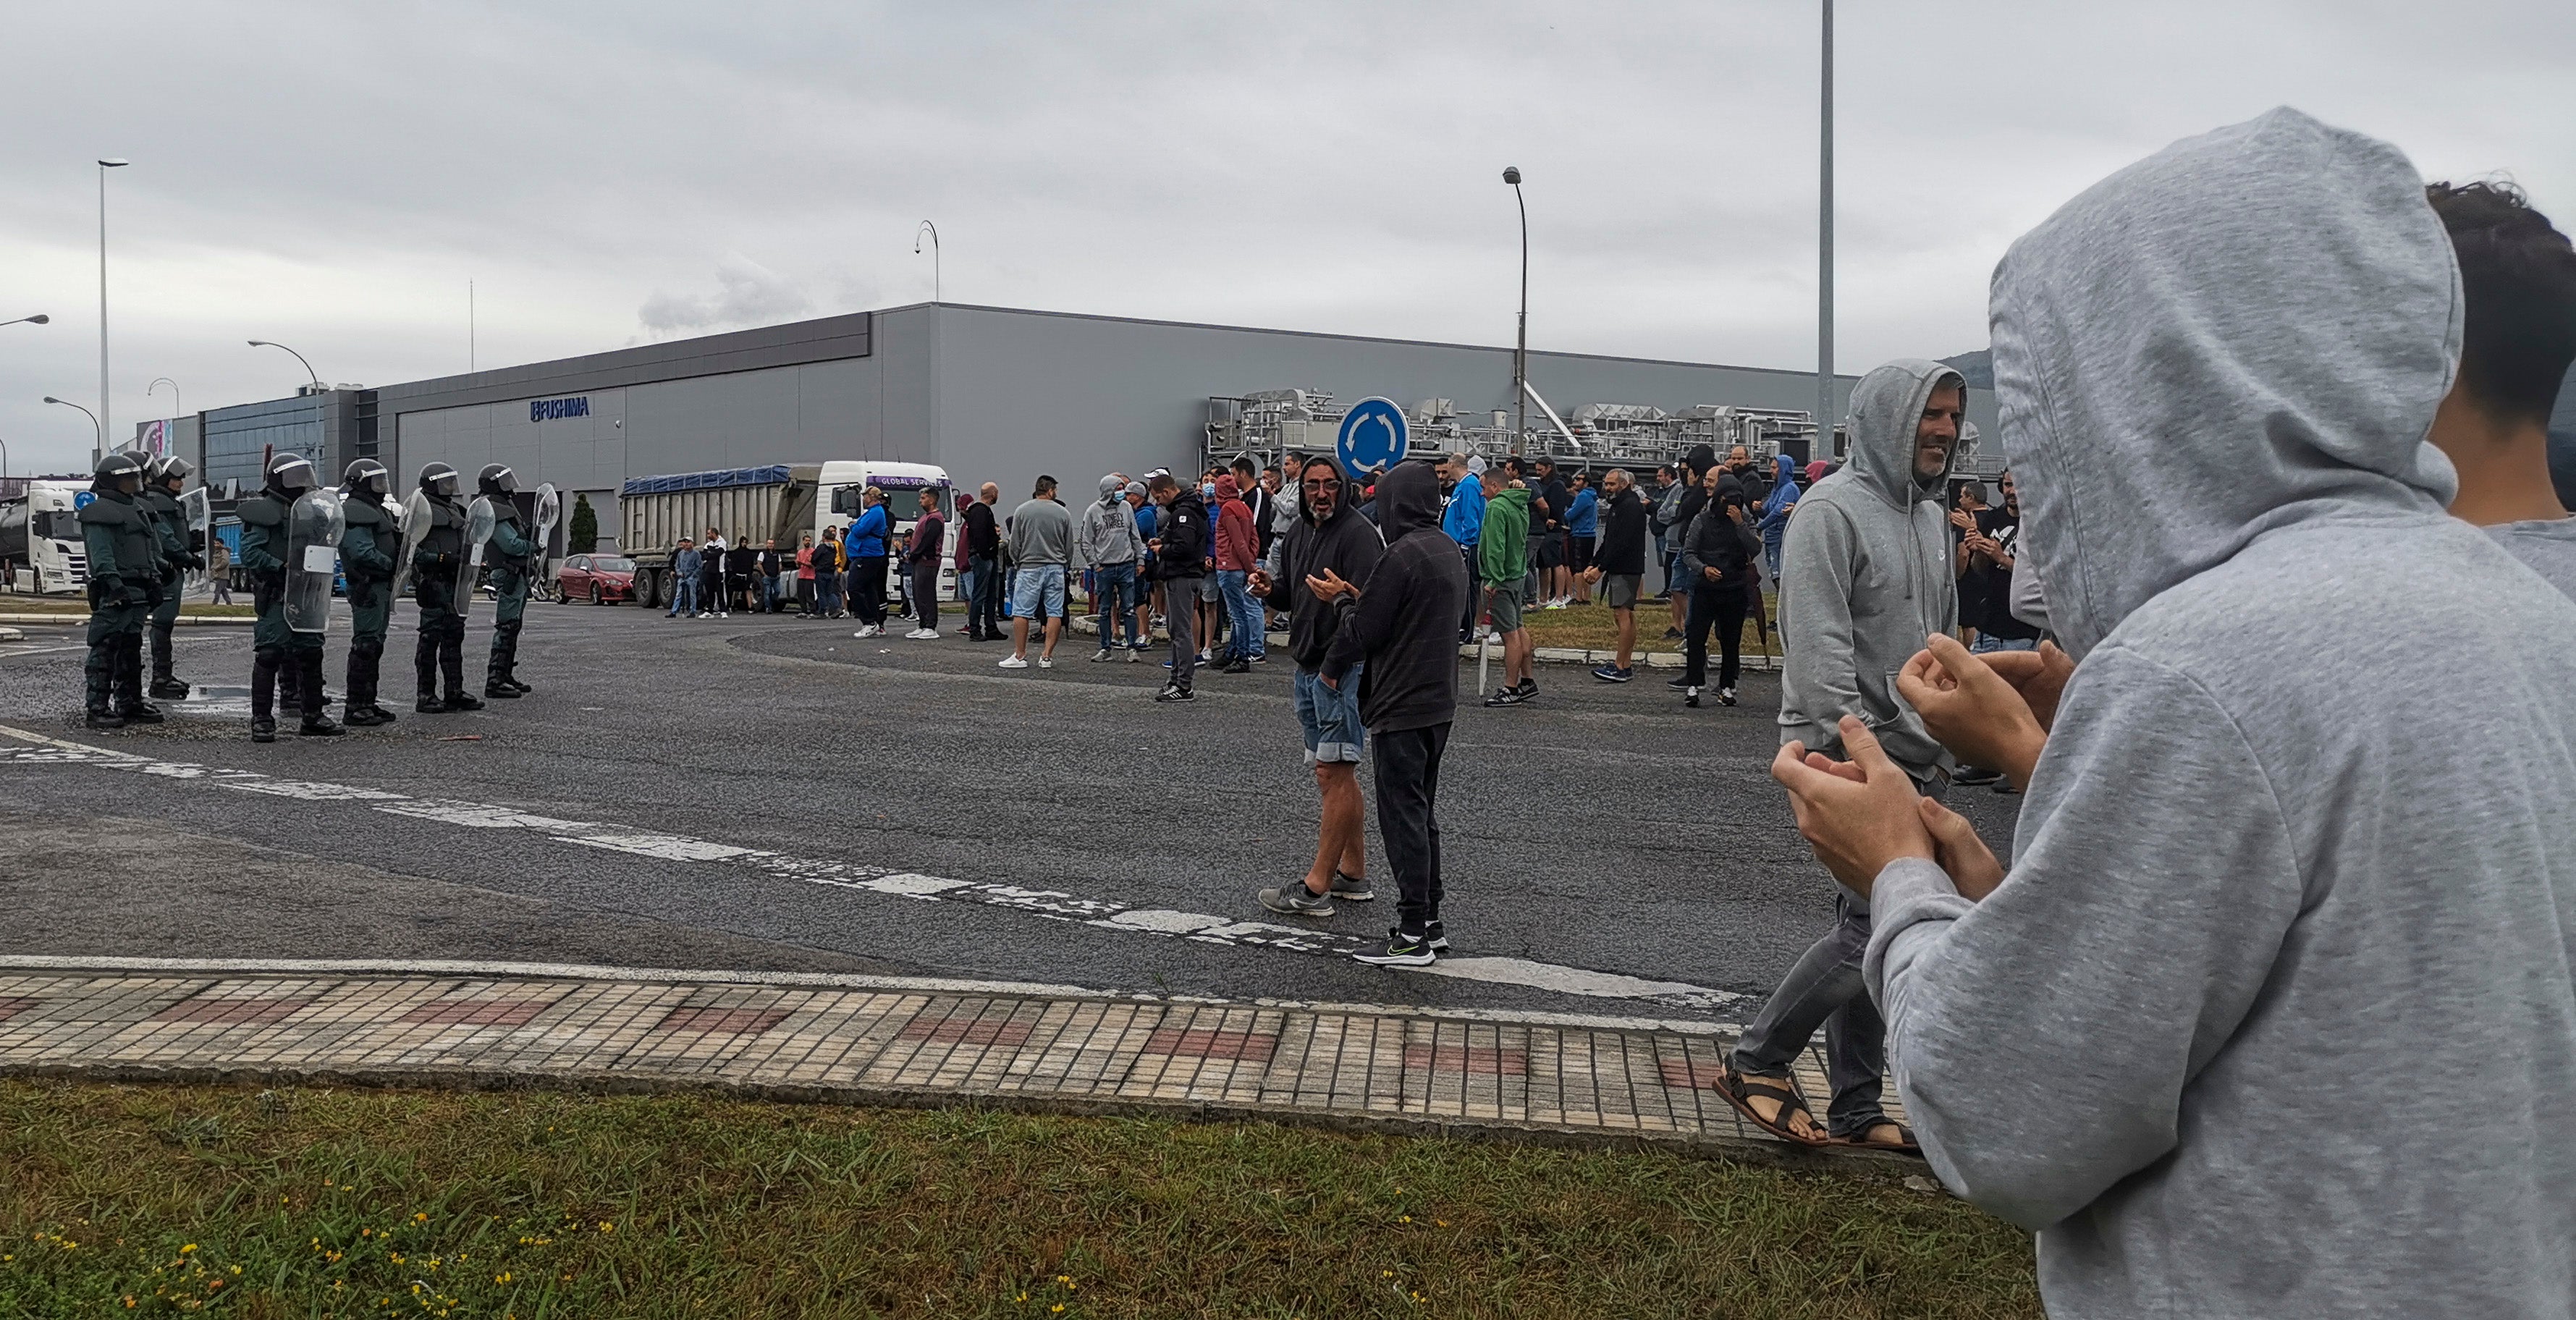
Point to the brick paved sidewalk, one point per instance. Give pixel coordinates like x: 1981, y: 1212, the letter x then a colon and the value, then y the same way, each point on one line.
x: 869, y: 1040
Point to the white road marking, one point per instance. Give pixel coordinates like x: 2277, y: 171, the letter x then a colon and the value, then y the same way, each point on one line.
x: 1052, y: 904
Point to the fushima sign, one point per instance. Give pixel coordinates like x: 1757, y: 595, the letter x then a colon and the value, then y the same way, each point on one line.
x: 548, y: 410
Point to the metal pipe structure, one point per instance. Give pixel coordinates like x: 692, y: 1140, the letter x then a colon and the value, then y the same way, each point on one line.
x: 933, y: 231
x: 1520, y: 350
x: 1825, y: 247
x: 101, y: 416
x: 155, y: 387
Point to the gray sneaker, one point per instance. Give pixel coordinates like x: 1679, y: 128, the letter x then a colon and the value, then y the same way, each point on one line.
x: 1296, y: 900
x: 1349, y: 888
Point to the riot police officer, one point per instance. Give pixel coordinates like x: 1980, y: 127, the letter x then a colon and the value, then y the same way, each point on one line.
x: 125, y: 568
x: 267, y: 551
x: 163, y: 478
x: 513, y: 554
x: 368, y: 545
x: 434, y: 533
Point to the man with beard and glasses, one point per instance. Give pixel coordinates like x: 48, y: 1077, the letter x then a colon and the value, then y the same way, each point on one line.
x: 1330, y: 537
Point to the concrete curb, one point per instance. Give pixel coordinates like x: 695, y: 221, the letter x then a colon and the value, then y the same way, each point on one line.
x: 185, y: 620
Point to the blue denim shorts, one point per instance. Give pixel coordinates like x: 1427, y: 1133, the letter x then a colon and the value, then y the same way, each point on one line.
x: 1037, y: 592
x: 1331, y: 718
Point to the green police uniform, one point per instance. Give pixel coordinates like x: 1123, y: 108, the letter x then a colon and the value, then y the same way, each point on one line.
x: 124, y: 585
x: 274, y: 646
x: 513, y: 553
x: 170, y: 534
x: 368, y: 544
x: 437, y: 564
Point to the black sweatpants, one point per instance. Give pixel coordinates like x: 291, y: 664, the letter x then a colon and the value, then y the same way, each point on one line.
x: 1721, y: 604
x: 1408, y: 788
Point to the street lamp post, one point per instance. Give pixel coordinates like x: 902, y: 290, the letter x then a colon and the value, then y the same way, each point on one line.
x: 1520, y: 349
x: 1825, y: 248
x: 308, y: 367
x: 104, y: 412
x: 155, y: 386
x: 99, y: 450
x: 38, y: 319
x: 933, y: 231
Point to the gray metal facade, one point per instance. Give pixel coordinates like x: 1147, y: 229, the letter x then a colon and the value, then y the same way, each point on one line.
x: 990, y: 393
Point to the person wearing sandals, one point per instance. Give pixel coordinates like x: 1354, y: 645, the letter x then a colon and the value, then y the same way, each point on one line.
x: 1868, y: 561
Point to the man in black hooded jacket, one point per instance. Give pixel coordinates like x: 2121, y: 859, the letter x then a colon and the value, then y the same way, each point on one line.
x: 1329, y: 536
x: 1401, y: 624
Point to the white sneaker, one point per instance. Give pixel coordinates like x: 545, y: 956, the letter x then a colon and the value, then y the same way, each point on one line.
x: 923, y: 634
x: 1014, y: 662
x: 1045, y: 662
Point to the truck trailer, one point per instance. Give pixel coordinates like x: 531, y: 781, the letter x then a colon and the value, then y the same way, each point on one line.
x: 41, y: 550
x: 781, y: 502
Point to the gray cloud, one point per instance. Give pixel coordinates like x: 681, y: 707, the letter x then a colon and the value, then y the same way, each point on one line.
x: 331, y: 176
x: 749, y: 294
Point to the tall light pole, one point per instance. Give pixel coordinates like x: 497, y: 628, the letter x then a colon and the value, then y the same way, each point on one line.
x: 104, y: 165
x: 38, y: 319
x: 99, y: 450
x: 1825, y: 250
x: 308, y: 367
x: 933, y: 231
x: 1520, y: 349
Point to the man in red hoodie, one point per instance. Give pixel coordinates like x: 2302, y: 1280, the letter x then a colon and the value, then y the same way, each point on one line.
x: 1238, y: 549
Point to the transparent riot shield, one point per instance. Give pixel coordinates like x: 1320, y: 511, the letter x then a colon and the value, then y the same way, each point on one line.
x: 199, y: 506
x: 479, y: 522
x: 414, y: 522
x: 313, y: 528
x: 549, y: 512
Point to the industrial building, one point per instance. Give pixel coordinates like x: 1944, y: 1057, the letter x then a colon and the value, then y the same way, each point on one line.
x: 997, y: 394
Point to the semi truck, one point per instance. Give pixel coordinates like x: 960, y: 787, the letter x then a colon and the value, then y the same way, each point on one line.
x: 781, y: 502
x: 41, y: 551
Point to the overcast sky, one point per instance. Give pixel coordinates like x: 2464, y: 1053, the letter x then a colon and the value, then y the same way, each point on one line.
x: 332, y: 175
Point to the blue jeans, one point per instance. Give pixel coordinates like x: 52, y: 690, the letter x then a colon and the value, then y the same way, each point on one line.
x: 1987, y: 641
x: 1113, y: 589
x: 1037, y: 593
x: 684, y: 596
x: 1330, y: 717
x: 827, y: 593
x: 1249, y: 641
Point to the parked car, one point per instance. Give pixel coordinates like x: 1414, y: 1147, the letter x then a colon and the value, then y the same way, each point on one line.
x: 598, y: 579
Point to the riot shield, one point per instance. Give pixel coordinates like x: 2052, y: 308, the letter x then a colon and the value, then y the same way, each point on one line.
x: 199, y: 506
x: 549, y: 512
x: 414, y: 521
x: 479, y: 522
x: 312, y: 560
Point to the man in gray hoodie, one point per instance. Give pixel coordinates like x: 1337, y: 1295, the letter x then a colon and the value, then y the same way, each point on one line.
x: 1112, y: 548
x: 1866, y: 565
x: 2272, y: 1015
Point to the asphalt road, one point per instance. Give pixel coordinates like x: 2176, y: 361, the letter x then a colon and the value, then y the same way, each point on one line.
x: 772, y: 793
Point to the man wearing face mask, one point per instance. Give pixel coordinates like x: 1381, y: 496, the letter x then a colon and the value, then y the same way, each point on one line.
x: 368, y: 543
x: 437, y: 519
x: 124, y: 580
x: 273, y: 549
x: 1867, y: 561
x: 512, y: 554
x: 165, y: 477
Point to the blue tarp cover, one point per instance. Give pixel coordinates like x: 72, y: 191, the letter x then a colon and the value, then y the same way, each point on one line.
x: 771, y: 475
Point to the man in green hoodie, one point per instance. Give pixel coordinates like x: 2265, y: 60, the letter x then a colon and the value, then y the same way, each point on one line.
x: 1502, y: 568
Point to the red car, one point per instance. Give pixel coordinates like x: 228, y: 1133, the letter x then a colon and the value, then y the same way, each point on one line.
x: 598, y: 579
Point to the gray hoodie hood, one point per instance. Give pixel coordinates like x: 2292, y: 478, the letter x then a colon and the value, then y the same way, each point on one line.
x: 2157, y: 374
x: 1886, y: 406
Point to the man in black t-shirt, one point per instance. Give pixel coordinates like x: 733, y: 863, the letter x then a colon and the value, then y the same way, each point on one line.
x: 1990, y: 551
x: 1967, y: 507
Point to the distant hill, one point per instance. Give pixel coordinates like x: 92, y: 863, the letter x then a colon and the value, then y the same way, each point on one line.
x: 1979, y: 369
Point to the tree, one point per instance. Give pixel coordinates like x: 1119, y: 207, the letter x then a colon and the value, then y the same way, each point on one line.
x: 585, y: 526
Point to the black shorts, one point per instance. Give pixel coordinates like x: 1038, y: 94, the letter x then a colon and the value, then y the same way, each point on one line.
x: 1551, y: 549
x: 1578, y: 552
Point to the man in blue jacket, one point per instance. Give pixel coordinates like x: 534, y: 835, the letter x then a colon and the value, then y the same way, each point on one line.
x: 867, y: 547
x: 1464, y: 521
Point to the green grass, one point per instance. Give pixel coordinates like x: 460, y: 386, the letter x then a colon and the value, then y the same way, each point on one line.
x: 317, y: 1202
x: 1590, y: 627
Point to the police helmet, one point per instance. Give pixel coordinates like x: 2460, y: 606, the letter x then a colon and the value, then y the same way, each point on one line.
x: 170, y: 467
x: 497, y: 479
x: 291, y: 473
x: 368, y: 475
x: 115, y: 467
x: 439, y: 479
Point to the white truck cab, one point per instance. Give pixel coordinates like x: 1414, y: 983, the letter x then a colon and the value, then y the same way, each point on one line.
x: 842, y: 482
x: 41, y: 549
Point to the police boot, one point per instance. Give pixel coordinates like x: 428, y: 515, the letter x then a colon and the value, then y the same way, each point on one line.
x: 496, y: 683
x: 163, y: 685
x: 451, y: 667
x: 317, y: 724
x: 263, y: 692
x: 130, y: 705
x: 424, y: 668
x: 100, y: 683
x: 320, y: 725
